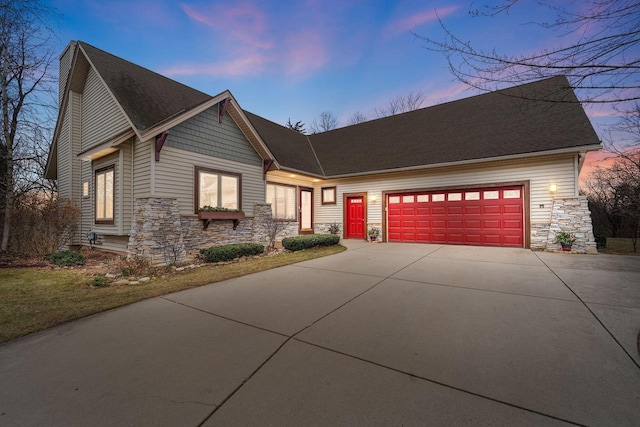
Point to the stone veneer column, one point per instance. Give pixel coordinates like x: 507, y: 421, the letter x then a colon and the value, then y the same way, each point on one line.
x: 572, y: 215
x: 156, y: 231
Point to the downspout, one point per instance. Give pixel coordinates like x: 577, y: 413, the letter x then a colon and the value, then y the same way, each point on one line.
x: 133, y: 200
x: 576, y: 171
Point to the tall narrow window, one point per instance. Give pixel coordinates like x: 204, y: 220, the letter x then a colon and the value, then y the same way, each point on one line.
x: 283, y: 201
x: 105, y: 193
x: 217, y: 189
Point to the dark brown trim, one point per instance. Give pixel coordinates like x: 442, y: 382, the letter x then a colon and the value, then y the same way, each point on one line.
x: 113, y: 196
x: 196, y: 184
x: 525, y: 201
x: 365, y: 202
x: 300, y: 229
x: 335, y: 195
x: 160, y: 139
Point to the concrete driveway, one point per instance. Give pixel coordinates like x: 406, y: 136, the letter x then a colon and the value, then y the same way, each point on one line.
x: 382, y: 334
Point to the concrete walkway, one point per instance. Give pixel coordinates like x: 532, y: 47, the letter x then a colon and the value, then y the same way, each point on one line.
x: 382, y: 334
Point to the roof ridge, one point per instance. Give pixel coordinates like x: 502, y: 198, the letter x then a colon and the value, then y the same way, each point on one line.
x: 313, y: 150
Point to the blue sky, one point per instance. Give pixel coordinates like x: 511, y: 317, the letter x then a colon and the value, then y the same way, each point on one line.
x: 296, y: 59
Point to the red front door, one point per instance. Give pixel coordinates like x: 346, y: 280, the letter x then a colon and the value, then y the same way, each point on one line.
x: 355, y: 218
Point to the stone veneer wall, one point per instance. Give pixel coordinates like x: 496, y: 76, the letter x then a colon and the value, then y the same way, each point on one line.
x: 569, y: 214
x: 161, y: 234
x: 323, y: 228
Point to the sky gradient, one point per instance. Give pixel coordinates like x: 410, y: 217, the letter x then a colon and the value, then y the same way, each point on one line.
x: 296, y: 59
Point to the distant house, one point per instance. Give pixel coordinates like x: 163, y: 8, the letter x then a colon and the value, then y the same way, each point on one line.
x: 141, y: 154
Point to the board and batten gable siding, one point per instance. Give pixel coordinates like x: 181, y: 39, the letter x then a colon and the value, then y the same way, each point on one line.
x: 174, y: 177
x: 102, y: 119
x: 203, y: 134
x: 540, y: 172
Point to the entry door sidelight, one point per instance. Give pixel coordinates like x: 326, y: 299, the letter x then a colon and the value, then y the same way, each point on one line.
x: 306, y: 210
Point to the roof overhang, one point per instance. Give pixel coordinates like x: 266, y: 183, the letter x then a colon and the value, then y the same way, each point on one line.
x: 106, y: 147
x: 570, y: 150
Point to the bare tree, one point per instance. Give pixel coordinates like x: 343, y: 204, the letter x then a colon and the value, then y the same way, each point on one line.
x: 298, y: 126
x: 614, y: 192
x: 357, y: 117
x: 402, y: 104
x: 26, y: 57
x: 597, y: 50
x: 326, y: 121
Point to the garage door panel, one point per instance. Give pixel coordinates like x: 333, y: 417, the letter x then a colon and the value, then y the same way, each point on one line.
x: 489, y: 216
x: 473, y: 210
x: 455, y: 210
x: 511, y: 209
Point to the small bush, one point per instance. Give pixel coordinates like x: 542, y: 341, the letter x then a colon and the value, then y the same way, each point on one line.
x: 229, y: 252
x: 65, y: 258
x: 310, y: 241
x: 101, y: 281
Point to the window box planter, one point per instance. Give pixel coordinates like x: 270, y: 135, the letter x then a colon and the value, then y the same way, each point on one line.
x: 207, y: 217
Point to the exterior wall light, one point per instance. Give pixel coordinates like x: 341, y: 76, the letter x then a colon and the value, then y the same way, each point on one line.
x: 553, y: 188
x: 373, y: 198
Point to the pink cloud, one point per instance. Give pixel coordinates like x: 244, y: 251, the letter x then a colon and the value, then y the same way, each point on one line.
x: 248, y: 65
x: 304, y: 51
x: 447, y: 94
x: 409, y: 23
x: 242, y: 22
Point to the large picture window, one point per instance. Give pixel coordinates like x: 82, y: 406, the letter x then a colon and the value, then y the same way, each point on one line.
x: 283, y: 201
x: 217, y: 189
x: 105, y: 193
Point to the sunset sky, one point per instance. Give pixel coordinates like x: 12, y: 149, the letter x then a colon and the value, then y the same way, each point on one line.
x: 296, y: 59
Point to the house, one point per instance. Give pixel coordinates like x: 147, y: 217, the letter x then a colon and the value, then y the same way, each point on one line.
x: 141, y: 153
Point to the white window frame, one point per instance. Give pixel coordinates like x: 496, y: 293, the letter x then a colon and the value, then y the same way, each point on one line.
x: 289, y: 191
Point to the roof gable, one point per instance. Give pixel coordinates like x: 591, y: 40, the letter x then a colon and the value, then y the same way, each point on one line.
x: 147, y: 98
x: 292, y: 149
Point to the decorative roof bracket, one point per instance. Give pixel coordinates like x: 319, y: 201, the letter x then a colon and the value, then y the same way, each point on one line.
x: 266, y: 165
x: 160, y: 139
x: 222, y: 107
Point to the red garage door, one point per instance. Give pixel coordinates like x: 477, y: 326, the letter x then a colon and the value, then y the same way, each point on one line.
x: 483, y: 217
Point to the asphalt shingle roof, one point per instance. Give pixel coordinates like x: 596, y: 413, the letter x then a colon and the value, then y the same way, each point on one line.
x: 147, y: 98
x: 496, y: 124
x: 291, y: 148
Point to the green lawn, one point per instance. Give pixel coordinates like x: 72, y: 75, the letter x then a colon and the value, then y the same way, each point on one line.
x: 620, y: 246
x: 32, y: 299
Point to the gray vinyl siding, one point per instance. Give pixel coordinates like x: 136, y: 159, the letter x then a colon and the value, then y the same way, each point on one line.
x: 87, y: 203
x: 69, y: 179
x: 65, y: 67
x: 174, y: 177
x: 102, y: 119
x: 203, y: 134
x: 64, y: 160
x: 142, y: 158
x: 111, y: 159
x: 127, y: 186
x: 540, y: 172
